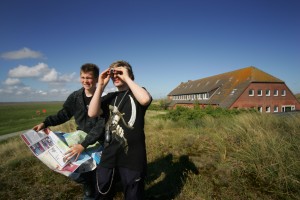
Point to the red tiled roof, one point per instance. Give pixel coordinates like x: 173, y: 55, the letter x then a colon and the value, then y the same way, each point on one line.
x: 223, y: 84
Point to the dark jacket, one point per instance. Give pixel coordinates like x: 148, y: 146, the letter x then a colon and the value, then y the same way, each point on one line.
x: 75, y: 107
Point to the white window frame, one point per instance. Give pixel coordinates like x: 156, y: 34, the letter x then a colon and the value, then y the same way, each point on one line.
x: 275, y: 92
x: 268, y: 92
x: 259, y: 92
x: 276, y: 108
x: 199, y: 97
x: 283, y: 93
x: 251, y: 92
x: 205, y: 96
x: 259, y: 108
x: 283, y: 107
x: 268, y: 109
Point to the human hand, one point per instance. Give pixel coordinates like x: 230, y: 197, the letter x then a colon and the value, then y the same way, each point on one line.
x: 104, y: 77
x: 121, y: 73
x: 39, y: 127
x: 75, y: 150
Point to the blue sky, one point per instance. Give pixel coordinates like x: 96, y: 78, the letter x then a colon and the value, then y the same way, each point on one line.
x: 44, y: 43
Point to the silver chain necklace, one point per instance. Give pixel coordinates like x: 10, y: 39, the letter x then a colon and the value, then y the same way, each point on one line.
x: 121, y: 99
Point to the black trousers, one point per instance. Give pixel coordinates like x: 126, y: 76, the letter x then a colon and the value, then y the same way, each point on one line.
x: 132, y: 182
x: 86, y: 178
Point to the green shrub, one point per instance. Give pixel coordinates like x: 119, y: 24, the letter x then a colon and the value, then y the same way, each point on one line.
x: 188, y: 114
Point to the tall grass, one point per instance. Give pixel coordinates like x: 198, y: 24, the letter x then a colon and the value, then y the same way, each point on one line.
x: 244, y: 156
x: 238, y: 156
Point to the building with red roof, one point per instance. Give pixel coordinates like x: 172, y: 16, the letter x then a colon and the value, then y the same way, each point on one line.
x: 243, y: 88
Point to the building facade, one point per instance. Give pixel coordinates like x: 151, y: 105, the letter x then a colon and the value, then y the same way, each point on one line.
x: 244, y: 88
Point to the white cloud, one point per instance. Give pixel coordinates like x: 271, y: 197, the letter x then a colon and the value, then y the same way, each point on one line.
x: 54, y: 77
x: 15, y: 90
x: 42, y: 72
x: 36, y: 77
x: 41, y: 92
x: 12, y: 81
x: 60, y: 92
x: 50, y: 76
x: 23, y: 90
x: 26, y: 93
x: 25, y: 71
x: 21, y: 54
x: 68, y: 77
x: 7, y: 90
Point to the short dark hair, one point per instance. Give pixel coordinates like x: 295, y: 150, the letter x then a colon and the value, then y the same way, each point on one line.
x: 122, y: 63
x: 90, y: 67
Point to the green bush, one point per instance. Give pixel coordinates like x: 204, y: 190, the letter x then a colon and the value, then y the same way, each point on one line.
x: 188, y: 114
x: 161, y: 104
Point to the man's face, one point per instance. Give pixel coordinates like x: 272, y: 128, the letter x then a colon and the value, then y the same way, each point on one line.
x: 114, y: 76
x: 88, y: 80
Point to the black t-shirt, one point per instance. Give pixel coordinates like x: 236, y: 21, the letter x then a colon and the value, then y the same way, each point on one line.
x: 87, y: 100
x: 127, y: 148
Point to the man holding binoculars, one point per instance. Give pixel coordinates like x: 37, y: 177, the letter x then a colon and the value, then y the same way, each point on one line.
x: 125, y: 149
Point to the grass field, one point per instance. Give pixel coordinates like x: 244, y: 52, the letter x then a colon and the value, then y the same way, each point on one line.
x: 244, y: 156
x: 22, y: 116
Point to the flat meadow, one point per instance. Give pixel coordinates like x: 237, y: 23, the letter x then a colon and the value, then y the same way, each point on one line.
x: 22, y: 116
x: 192, y: 155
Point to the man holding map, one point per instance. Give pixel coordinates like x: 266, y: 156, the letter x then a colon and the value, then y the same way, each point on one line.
x: 76, y: 106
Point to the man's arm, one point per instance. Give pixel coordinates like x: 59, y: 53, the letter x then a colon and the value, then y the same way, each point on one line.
x: 95, y: 134
x: 92, y: 137
x: 95, y: 104
x: 141, y: 95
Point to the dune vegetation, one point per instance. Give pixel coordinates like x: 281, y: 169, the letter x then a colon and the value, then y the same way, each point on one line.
x: 192, y: 154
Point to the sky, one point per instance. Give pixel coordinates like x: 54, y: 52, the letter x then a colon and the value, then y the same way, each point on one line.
x: 44, y: 43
